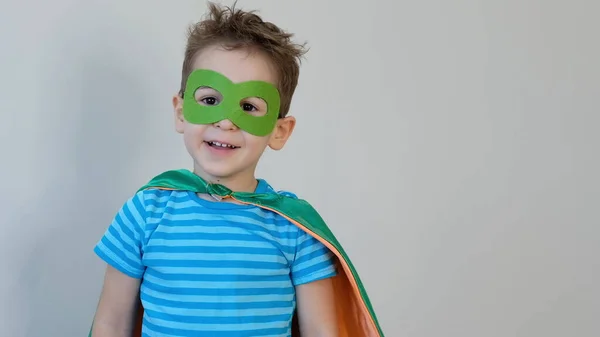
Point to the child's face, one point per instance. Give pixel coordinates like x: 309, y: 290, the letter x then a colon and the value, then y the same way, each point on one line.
x: 239, y: 159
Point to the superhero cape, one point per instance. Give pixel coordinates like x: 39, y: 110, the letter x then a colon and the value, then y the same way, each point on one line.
x: 356, y: 317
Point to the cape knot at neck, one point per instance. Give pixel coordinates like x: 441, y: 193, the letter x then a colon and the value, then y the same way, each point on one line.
x: 218, y: 191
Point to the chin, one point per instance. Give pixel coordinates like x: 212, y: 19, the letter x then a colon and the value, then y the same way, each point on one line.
x: 216, y: 171
x: 220, y: 169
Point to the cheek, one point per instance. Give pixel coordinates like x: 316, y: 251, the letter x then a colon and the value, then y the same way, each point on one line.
x: 193, y: 132
x: 256, y: 143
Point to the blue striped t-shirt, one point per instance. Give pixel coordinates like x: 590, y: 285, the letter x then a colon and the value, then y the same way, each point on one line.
x: 212, y: 268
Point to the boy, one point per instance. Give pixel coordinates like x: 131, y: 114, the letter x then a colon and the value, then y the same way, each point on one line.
x: 210, y: 268
x: 201, y: 264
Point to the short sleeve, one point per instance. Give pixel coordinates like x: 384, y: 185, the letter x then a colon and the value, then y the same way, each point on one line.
x: 121, y: 244
x: 313, y: 260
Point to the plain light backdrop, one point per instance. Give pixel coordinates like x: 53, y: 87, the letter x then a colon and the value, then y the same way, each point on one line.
x: 453, y: 146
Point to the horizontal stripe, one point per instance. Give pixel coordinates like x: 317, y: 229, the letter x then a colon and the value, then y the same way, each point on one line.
x: 223, y: 226
x: 234, y: 314
x: 192, y: 300
x: 225, y: 275
x: 222, y: 271
x: 315, y: 276
x: 324, y: 265
x: 118, y: 253
x: 221, y: 236
x: 218, y: 291
x: 214, y: 264
x: 311, y: 260
x: 266, y: 250
x: 216, y: 257
x: 251, y: 303
x: 159, y: 326
x: 182, y: 211
x: 239, y: 285
x: 112, y: 259
x: 169, y: 242
x: 200, y: 323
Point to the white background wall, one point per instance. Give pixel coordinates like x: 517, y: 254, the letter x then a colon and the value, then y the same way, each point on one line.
x: 452, y: 145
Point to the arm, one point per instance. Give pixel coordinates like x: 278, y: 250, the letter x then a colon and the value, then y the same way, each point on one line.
x: 117, y: 308
x: 316, y: 309
x: 312, y: 269
x: 121, y: 248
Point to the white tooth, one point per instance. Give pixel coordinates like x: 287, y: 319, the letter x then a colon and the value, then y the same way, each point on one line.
x: 217, y: 143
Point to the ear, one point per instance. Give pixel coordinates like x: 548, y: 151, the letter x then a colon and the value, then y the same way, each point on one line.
x: 178, y: 111
x: 283, y: 131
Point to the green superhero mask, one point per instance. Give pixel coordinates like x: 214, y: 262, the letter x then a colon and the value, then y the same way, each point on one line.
x: 230, y: 106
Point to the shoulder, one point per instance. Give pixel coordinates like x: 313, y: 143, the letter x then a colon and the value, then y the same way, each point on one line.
x: 288, y: 194
x: 156, y: 200
x: 265, y: 187
x: 154, y: 194
x: 303, y: 214
x: 291, y: 199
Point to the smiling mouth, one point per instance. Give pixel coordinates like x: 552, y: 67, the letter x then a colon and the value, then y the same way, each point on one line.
x: 220, y: 145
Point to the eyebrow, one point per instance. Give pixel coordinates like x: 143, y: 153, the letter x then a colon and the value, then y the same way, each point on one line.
x: 182, y: 92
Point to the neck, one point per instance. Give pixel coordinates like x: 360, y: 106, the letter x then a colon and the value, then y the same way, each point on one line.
x: 238, y: 183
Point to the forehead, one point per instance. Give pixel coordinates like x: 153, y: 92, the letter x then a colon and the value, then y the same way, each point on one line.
x: 239, y: 65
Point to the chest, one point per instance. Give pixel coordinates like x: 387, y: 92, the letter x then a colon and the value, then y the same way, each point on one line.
x: 210, y: 242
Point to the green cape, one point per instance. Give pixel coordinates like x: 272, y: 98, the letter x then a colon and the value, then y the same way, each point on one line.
x: 356, y: 317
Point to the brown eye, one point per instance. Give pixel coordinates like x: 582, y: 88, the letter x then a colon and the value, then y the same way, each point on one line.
x: 248, y: 107
x: 209, y: 100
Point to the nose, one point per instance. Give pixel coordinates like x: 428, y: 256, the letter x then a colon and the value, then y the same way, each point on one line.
x: 226, y: 125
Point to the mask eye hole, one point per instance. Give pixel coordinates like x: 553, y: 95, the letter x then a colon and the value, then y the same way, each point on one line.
x: 254, y: 106
x: 208, y: 96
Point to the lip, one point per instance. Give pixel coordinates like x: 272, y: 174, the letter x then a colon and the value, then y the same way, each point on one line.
x: 218, y: 150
